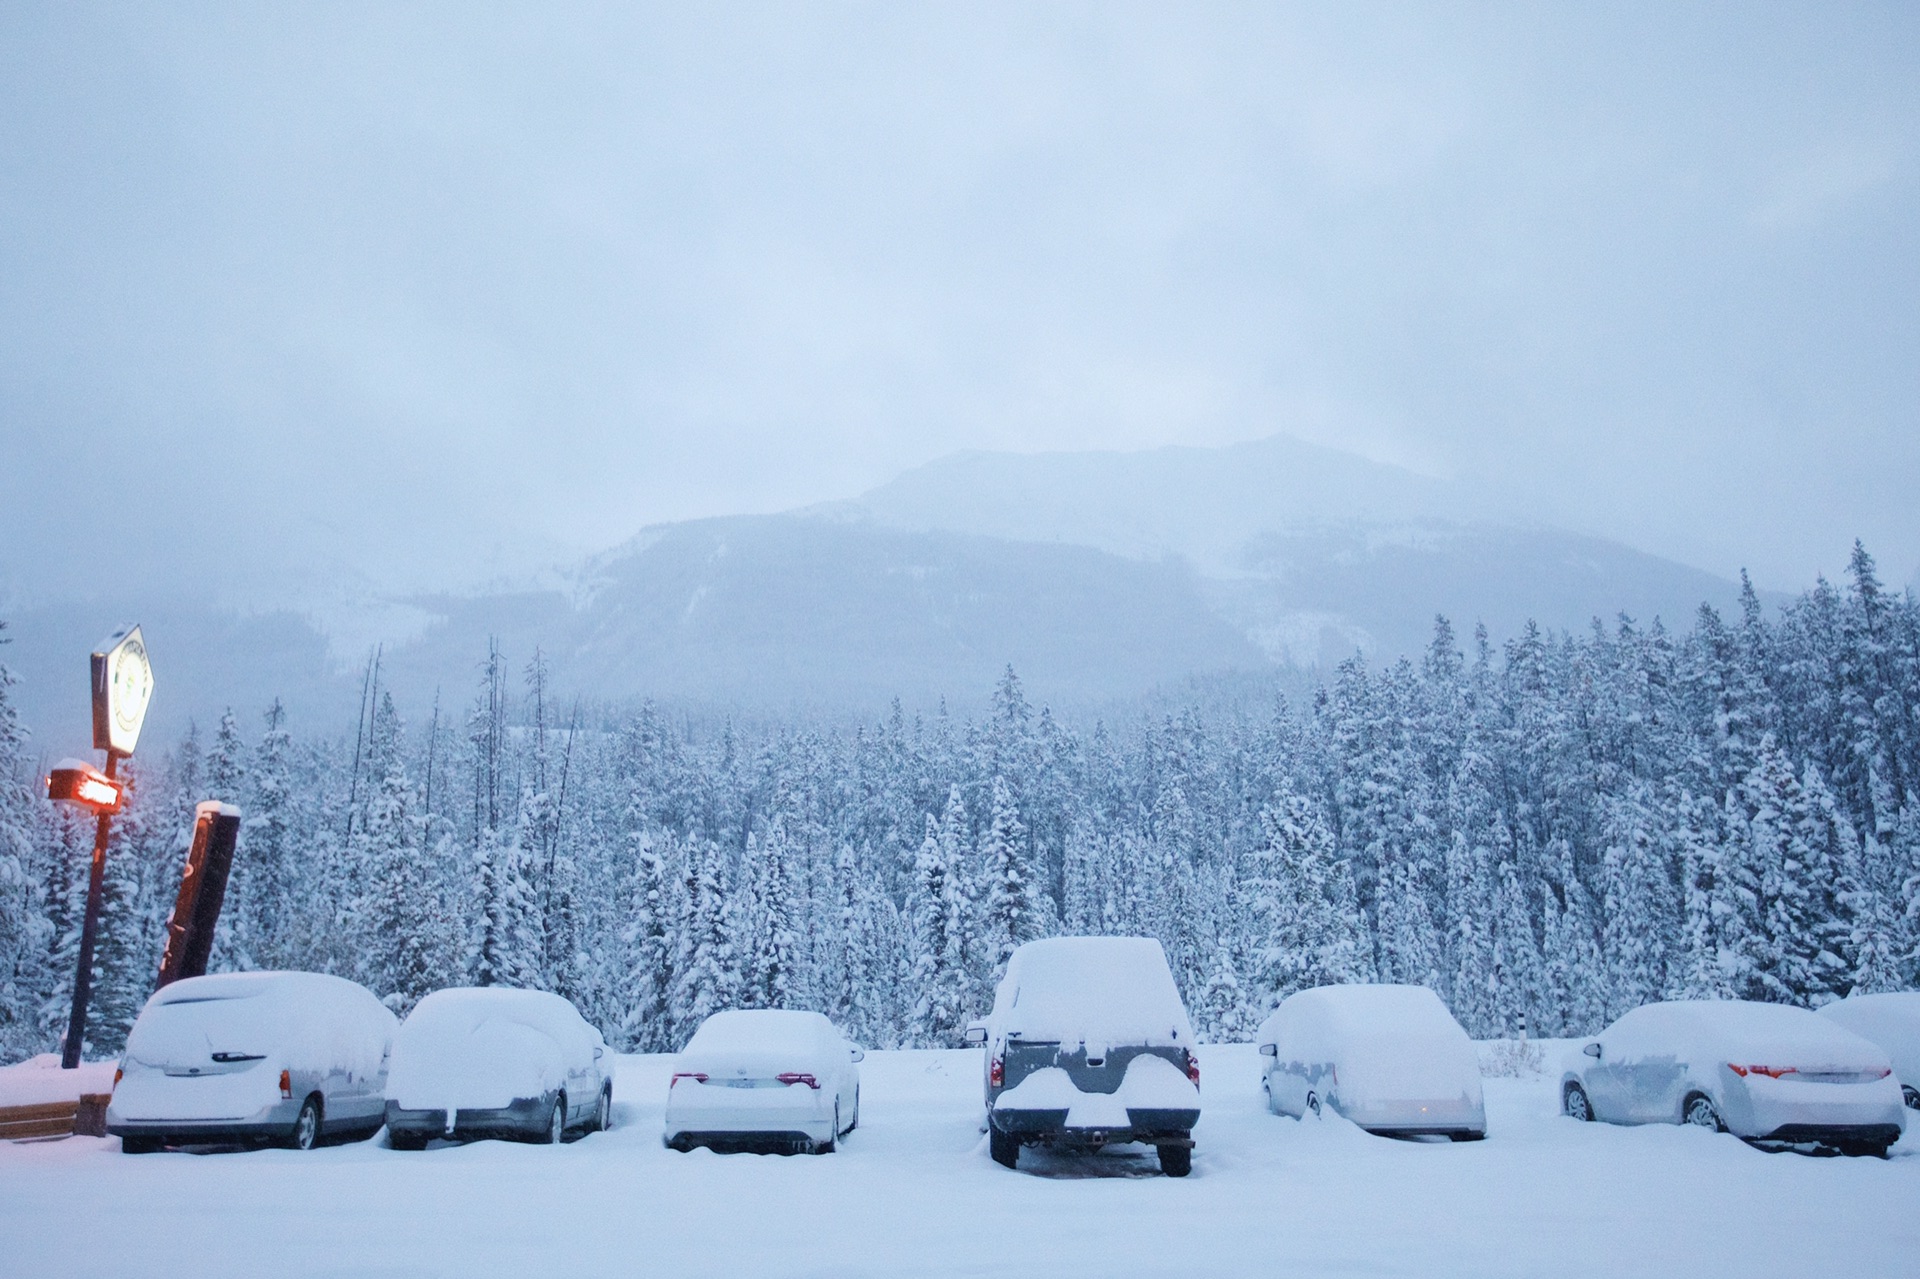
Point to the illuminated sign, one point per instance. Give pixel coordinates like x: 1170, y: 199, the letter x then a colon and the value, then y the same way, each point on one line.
x: 122, y: 687
x: 74, y: 782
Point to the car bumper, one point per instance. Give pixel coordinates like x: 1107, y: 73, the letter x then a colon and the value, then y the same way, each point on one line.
x: 269, y: 1123
x: 711, y: 1114
x: 1051, y: 1127
x: 522, y: 1117
x: 1760, y: 1109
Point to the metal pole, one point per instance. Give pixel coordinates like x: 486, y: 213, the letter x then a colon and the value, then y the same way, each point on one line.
x: 83, y: 979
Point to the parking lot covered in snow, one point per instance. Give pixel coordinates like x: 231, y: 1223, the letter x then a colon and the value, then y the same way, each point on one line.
x: 914, y: 1193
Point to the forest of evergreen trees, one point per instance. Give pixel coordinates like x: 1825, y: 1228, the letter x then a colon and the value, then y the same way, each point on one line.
x: 1547, y: 834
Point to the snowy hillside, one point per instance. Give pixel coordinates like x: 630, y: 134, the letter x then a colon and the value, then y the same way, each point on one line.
x: 1098, y: 575
x: 912, y: 1192
x: 1309, y: 551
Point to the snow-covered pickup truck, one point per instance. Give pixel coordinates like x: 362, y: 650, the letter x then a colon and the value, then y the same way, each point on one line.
x: 1088, y: 1045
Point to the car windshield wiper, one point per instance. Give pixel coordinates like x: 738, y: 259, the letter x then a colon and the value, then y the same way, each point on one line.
x: 228, y: 1058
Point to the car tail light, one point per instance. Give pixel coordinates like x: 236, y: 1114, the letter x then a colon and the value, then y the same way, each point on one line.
x: 997, y: 1073
x: 286, y: 1084
x: 1881, y: 1073
x: 694, y: 1075
x: 1771, y: 1072
x: 797, y: 1077
x: 118, y: 1075
x: 1193, y: 1070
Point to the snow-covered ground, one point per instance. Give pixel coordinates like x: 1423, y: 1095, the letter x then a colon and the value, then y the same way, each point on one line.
x: 914, y: 1193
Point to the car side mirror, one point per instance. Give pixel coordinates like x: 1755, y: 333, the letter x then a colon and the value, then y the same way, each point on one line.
x: 1592, y: 1050
x: 1269, y: 1050
x: 598, y: 1052
x: 856, y: 1054
x: 977, y: 1033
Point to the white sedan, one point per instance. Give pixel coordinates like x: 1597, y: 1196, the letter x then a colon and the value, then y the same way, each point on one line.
x: 764, y: 1079
x: 1764, y: 1072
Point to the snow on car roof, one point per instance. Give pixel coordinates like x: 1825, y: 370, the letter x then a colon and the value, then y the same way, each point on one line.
x: 1768, y: 1034
x: 246, y: 986
x: 1107, y: 990
x: 1891, y: 1020
x: 758, y: 1029
x: 467, y: 1006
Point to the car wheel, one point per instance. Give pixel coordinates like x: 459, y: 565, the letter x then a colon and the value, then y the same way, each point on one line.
x: 306, y: 1126
x: 1313, y: 1103
x: 1699, y: 1112
x: 406, y: 1140
x: 1004, y: 1147
x: 139, y: 1145
x: 1911, y: 1096
x: 1466, y: 1136
x: 1176, y: 1161
x: 603, y: 1113
x: 1574, y: 1104
x: 556, y: 1123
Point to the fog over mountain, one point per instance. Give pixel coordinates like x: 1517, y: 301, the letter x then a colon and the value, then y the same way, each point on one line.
x: 1100, y: 576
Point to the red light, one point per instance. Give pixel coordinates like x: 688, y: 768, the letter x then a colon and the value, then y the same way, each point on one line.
x: 1771, y: 1072
x: 1193, y: 1070
x: 997, y: 1073
x: 118, y: 1075
x: 75, y: 782
x: 797, y: 1077
x: 286, y: 1084
x: 694, y: 1075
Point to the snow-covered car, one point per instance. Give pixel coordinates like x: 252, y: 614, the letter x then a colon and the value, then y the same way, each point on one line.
x: 1764, y: 1072
x: 1088, y: 1045
x: 1390, y: 1058
x: 1893, y: 1022
x: 762, y: 1078
x: 483, y: 1062
x: 286, y: 1057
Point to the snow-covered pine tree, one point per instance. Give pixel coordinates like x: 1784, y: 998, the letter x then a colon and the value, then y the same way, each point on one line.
x: 1307, y: 926
x: 769, y: 958
x: 1011, y: 912
x: 706, y: 978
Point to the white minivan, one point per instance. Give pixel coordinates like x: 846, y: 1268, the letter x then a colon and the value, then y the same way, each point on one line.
x: 253, y: 1057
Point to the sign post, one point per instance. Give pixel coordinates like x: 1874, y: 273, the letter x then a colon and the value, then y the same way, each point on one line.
x: 122, y: 687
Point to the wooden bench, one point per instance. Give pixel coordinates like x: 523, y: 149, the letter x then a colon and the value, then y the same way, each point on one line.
x: 87, y: 1117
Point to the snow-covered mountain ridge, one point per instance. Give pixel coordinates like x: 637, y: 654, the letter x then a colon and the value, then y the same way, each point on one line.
x: 1099, y: 575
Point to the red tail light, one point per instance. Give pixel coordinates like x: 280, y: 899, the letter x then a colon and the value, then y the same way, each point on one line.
x: 694, y: 1075
x: 997, y: 1073
x: 286, y: 1084
x: 118, y: 1075
x: 1193, y: 1070
x: 797, y: 1077
x: 1771, y: 1072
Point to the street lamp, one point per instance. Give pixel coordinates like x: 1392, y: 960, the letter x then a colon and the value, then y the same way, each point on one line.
x: 122, y: 687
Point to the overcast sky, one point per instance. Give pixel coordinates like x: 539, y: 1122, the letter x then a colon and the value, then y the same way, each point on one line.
x: 417, y: 292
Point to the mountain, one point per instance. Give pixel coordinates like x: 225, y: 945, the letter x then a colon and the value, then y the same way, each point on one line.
x: 1098, y: 576
x: 1310, y: 552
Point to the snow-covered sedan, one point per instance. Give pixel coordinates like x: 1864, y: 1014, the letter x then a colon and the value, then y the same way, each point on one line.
x: 1893, y: 1021
x: 1089, y: 1045
x: 1764, y: 1072
x: 1390, y: 1058
x: 764, y: 1078
x: 492, y: 1062
x: 276, y: 1057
